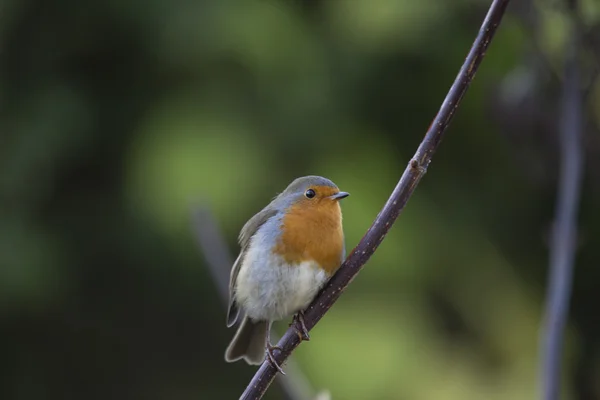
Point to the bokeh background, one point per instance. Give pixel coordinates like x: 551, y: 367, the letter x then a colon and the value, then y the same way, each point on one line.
x: 118, y: 117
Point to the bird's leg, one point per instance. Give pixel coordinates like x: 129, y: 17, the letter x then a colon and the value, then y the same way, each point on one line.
x: 269, y: 351
x: 300, y: 327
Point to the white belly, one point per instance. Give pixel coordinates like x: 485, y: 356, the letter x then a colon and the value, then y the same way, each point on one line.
x: 268, y: 288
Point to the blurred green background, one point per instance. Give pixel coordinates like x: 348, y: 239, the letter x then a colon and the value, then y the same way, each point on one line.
x: 117, y: 117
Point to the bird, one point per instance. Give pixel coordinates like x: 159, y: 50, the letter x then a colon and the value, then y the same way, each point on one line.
x: 288, y: 252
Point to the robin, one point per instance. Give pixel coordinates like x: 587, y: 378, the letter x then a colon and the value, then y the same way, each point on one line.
x: 289, y: 250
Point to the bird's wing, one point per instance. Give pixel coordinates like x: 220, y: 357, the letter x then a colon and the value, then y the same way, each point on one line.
x: 244, y: 239
x: 233, y: 310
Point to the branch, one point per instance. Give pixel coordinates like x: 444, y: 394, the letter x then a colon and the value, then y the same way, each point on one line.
x: 562, y: 251
x: 213, y: 246
x: 395, y: 204
x: 295, y: 386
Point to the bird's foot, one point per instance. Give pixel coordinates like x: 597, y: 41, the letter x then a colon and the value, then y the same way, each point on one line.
x: 300, y: 327
x: 271, y: 357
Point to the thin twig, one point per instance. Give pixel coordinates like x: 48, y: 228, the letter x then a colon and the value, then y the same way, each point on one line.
x: 210, y: 240
x: 211, y: 243
x: 562, y: 251
x: 395, y: 204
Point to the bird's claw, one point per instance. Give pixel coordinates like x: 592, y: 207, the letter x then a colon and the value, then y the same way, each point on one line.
x: 300, y: 326
x: 271, y: 357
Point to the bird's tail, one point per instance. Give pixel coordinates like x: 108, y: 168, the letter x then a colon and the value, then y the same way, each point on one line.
x: 248, y: 342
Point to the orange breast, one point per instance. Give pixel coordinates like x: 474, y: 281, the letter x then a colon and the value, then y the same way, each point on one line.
x: 313, y: 232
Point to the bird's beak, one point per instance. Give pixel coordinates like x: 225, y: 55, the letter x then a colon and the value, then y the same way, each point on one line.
x: 339, y: 195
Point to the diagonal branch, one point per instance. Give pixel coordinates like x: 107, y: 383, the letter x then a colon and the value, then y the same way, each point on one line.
x: 562, y: 252
x: 395, y: 204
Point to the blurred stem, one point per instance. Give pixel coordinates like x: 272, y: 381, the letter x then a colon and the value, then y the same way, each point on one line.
x: 562, y: 251
x: 415, y: 170
x: 211, y: 242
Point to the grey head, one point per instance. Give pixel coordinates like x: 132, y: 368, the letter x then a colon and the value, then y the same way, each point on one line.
x: 307, y: 187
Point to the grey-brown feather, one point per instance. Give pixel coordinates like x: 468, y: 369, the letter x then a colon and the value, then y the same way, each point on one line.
x: 248, y: 342
x: 254, y: 223
x: 233, y: 311
x: 246, y: 234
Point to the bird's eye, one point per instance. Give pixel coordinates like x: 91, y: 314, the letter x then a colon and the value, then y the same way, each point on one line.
x: 310, y: 193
